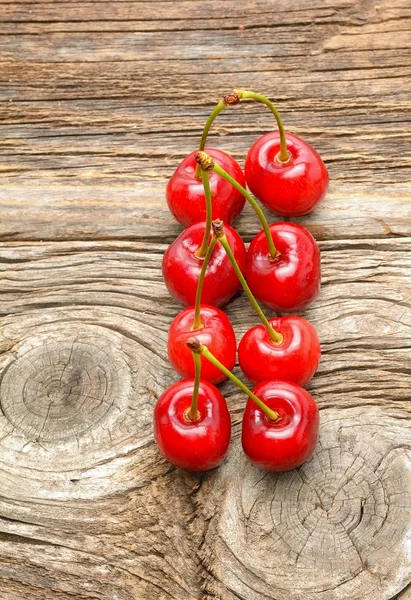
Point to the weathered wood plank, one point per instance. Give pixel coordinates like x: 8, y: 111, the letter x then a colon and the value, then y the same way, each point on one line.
x: 38, y: 212
x: 362, y: 315
x: 96, y: 493
x: 72, y: 128
x: 98, y: 103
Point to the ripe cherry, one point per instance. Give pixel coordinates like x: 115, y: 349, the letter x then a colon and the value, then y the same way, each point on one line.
x: 215, y: 331
x: 280, y: 423
x: 281, y: 169
x: 294, y: 358
x: 282, y: 348
x: 286, y: 443
x: 199, y: 444
x: 291, y: 281
x: 181, y: 267
x: 292, y: 188
x: 185, y: 193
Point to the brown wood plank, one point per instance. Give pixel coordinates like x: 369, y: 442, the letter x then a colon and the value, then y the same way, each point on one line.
x: 96, y: 492
x: 142, y: 11
x: 91, y: 122
x: 99, y: 101
x: 64, y: 213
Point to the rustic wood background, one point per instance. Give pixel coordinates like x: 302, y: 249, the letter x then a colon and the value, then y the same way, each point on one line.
x: 99, y: 103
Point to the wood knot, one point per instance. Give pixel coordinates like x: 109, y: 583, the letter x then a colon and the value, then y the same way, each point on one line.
x: 59, y: 387
x: 338, y: 522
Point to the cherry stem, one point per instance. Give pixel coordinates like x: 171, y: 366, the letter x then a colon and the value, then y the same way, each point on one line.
x: 271, y: 246
x: 202, y: 250
x: 283, y: 156
x: 216, y: 111
x: 197, y: 348
x: 234, y: 97
x: 227, y: 100
x: 218, y: 228
x: 193, y: 413
x: 197, y: 314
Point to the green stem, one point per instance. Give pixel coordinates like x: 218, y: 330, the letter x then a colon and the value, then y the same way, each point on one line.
x: 271, y: 247
x: 207, y: 192
x: 197, y: 316
x: 216, y: 111
x: 193, y: 413
x: 284, y: 155
x: 227, y: 100
x: 271, y: 414
x: 276, y: 337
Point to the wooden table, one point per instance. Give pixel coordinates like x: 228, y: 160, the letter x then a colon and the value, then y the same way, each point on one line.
x: 100, y: 101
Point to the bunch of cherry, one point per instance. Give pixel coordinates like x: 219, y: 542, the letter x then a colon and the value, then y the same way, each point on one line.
x: 206, y: 265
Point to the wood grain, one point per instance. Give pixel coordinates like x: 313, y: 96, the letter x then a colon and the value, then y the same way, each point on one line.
x: 73, y: 311
x: 98, y: 103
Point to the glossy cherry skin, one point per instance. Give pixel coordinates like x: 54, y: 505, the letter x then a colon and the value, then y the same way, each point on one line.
x: 194, y: 445
x: 285, y: 444
x: 216, y: 333
x: 185, y: 193
x: 292, y: 281
x: 295, y: 358
x: 290, y: 189
x: 181, y: 267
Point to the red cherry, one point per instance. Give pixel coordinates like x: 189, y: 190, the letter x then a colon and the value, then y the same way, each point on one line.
x: 285, y: 444
x: 292, y: 281
x: 185, y: 193
x: 290, y: 189
x: 181, y: 267
x: 217, y: 334
x: 194, y: 445
x: 294, y: 359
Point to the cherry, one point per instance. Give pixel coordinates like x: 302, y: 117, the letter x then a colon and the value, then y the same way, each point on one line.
x: 282, y: 170
x: 182, y: 267
x: 197, y: 444
x: 294, y: 358
x: 290, y: 188
x: 206, y: 163
x: 291, y: 281
x: 286, y: 443
x: 282, y: 348
x: 280, y: 423
x: 215, y: 331
x: 185, y: 193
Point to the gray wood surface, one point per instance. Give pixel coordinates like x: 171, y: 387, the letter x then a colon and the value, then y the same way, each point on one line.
x: 99, y: 102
